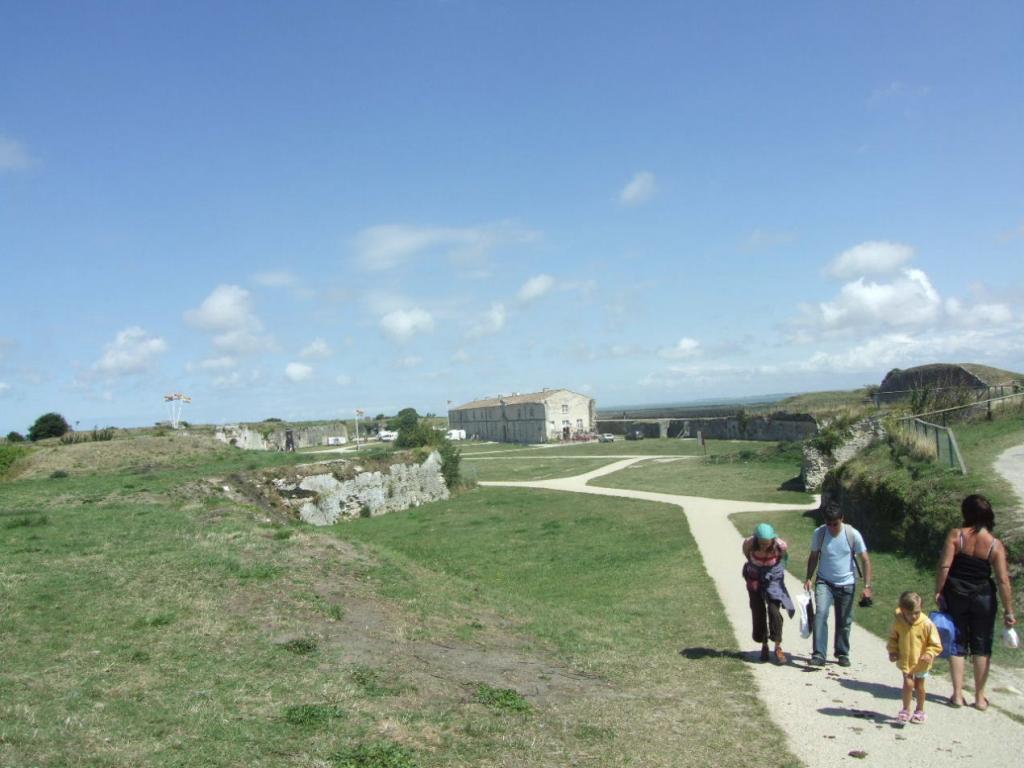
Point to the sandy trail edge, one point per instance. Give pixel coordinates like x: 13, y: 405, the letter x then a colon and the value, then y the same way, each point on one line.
x: 825, y: 713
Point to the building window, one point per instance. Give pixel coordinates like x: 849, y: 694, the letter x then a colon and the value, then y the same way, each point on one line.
x: 565, y: 409
x: 579, y: 424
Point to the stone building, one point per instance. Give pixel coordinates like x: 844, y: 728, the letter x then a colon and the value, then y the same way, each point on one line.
x: 537, y: 417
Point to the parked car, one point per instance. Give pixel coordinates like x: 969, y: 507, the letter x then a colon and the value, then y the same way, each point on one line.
x: 607, y: 437
x: 635, y: 434
x: 387, y: 436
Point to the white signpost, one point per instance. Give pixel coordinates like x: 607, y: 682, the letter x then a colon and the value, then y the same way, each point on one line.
x: 175, y: 400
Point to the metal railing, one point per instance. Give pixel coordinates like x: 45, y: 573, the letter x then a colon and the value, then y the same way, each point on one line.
x: 946, y: 449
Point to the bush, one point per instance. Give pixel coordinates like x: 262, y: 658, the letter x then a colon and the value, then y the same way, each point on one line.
x: 10, y: 454
x: 15, y: 437
x: 419, y: 435
x: 451, y: 458
x: 48, y: 425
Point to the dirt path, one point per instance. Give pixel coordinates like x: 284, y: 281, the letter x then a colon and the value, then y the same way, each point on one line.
x: 827, y: 713
x: 1010, y: 464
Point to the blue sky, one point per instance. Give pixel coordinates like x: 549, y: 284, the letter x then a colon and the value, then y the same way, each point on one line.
x: 298, y: 209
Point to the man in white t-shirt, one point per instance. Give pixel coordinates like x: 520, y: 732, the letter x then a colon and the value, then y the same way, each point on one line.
x: 835, y: 548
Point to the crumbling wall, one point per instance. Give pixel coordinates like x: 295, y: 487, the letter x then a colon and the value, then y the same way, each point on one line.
x: 263, y: 438
x: 818, y: 463
x: 324, y: 497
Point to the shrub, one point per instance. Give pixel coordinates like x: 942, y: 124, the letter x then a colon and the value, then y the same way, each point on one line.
x: 48, y: 425
x: 15, y: 437
x: 10, y: 454
x: 417, y: 436
x: 57, y: 474
x: 451, y: 457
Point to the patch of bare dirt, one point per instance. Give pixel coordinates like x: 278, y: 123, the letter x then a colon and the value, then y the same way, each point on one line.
x: 423, y: 653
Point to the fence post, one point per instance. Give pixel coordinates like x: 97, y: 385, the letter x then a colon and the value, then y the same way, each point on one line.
x: 938, y: 445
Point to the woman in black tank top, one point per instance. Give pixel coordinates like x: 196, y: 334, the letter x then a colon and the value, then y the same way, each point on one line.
x: 965, y: 589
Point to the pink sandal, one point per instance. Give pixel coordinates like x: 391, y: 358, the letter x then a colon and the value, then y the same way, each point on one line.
x: 903, y: 716
x: 918, y: 717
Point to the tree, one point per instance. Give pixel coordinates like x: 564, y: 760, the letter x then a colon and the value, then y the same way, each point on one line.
x: 406, y: 420
x: 15, y: 437
x: 48, y: 425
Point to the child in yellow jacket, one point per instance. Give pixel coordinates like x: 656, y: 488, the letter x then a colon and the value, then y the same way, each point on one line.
x: 913, y: 644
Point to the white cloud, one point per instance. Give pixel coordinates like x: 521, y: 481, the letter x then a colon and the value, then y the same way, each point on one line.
x: 403, y: 324
x: 390, y: 245
x: 13, y: 155
x: 279, y: 279
x: 535, y: 287
x: 298, y: 371
x: 872, y: 257
x: 685, y: 347
x: 411, y: 361
x: 228, y: 381
x: 132, y: 351
x: 228, y: 314
x: 978, y: 314
x: 316, y: 348
x: 343, y: 380
x: 908, y: 300
x: 460, y: 356
x: 641, y: 188
x: 491, y: 322
x: 4, y: 388
x: 218, y: 363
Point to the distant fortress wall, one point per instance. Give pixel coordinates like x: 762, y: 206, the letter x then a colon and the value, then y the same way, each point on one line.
x: 262, y: 437
x: 786, y: 427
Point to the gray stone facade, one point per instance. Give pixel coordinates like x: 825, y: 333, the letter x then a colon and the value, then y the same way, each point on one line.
x: 538, y: 417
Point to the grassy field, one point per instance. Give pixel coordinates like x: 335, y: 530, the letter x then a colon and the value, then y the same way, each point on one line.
x: 529, y: 467
x: 149, y: 618
x: 754, y: 480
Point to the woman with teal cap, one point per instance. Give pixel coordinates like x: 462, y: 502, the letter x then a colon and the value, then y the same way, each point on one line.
x: 765, y: 574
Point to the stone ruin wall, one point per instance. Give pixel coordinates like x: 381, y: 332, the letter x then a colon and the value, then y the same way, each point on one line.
x: 325, y: 494
x: 816, y: 464
x: 785, y: 427
x: 256, y: 439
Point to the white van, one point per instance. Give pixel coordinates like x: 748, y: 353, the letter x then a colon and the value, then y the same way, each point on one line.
x: 456, y: 434
x: 387, y: 436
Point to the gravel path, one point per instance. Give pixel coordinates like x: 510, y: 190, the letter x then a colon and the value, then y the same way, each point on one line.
x: 827, y: 713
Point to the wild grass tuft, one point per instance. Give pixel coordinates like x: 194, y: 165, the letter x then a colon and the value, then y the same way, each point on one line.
x: 504, y: 699
x: 374, y: 684
x: 28, y: 521
x: 379, y: 754
x: 301, y: 646
x: 312, y: 715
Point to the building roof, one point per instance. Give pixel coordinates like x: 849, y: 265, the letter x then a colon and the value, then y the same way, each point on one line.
x: 514, y: 399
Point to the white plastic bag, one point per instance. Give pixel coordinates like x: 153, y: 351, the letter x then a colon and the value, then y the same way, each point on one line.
x: 1010, y: 639
x: 802, y: 602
